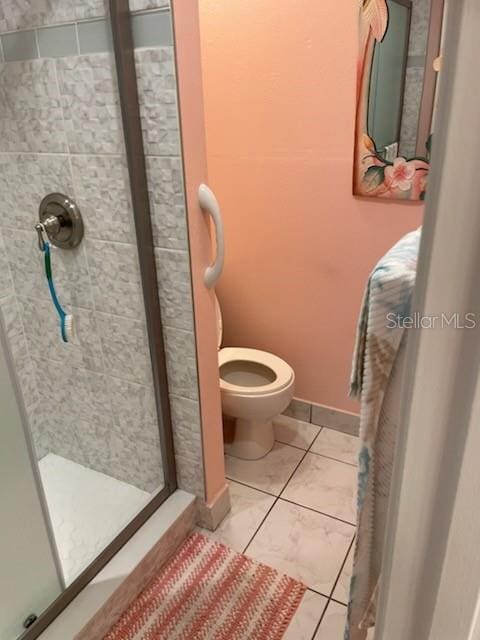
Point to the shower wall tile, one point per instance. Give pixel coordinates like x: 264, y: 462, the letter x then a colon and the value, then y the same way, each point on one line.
x: 12, y: 323
x: 6, y: 282
x: 417, y: 47
x: 28, y: 272
x: 92, y: 126
x: 134, y: 461
x: 140, y: 5
x: 102, y: 191
x: 175, y: 289
x: 20, y: 197
x: 411, y: 111
x: 419, y: 27
x: 82, y: 441
x: 133, y: 404
x: 8, y: 307
x: 95, y: 37
x: 152, y: 29
x: 31, y: 116
x: 39, y: 434
x: 21, y: 14
x: 135, y: 439
x: 27, y: 383
x: 181, y: 362
x: 78, y: 393
x: 157, y: 97
x: 188, y: 444
x: 56, y: 42
x: 167, y: 202
x: 20, y: 46
x: 125, y: 348
x: 42, y: 331
x: 14, y: 330
x: 26, y: 263
x: 91, y: 401
x: 115, y: 273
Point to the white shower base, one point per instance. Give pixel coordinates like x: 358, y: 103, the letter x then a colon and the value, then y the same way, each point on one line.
x: 87, y: 510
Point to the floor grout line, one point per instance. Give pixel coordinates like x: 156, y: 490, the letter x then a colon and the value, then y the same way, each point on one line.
x: 316, y: 438
x: 342, y: 604
x: 341, y: 569
x: 259, y: 526
x: 283, y: 499
x: 321, y: 619
x: 322, y: 455
x: 328, y: 598
x: 244, y: 484
x: 321, y: 513
x: 295, y: 446
x: 319, y: 593
x: 298, y: 465
x: 276, y: 500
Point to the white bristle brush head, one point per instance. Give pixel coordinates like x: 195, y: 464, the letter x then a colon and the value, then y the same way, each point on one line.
x: 69, y: 328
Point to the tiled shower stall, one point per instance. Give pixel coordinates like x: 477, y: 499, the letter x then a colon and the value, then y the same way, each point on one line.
x: 92, y: 401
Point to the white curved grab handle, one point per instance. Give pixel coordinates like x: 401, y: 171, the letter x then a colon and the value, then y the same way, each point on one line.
x: 209, y: 204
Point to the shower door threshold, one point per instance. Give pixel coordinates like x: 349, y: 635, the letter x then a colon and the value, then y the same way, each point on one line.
x: 96, y: 608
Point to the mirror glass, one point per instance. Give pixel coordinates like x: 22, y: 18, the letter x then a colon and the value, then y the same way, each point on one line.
x: 399, y: 71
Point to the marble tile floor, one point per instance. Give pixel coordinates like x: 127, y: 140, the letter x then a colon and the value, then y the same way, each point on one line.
x: 87, y: 510
x: 295, y: 510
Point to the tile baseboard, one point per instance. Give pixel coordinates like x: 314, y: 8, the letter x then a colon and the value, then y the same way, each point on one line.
x: 209, y: 516
x: 300, y: 410
x: 324, y: 416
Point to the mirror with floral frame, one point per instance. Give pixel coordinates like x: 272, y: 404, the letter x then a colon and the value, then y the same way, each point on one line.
x: 398, y: 77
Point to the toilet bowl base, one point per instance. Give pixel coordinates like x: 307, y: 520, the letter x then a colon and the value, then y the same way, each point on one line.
x: 253, y: 439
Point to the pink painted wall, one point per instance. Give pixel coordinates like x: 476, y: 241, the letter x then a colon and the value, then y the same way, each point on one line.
x: 187, y: 41
x: 279, y: 92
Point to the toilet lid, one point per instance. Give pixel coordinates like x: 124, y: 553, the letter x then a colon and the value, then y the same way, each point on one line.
x: 283, y: 372
x: 218, y: 314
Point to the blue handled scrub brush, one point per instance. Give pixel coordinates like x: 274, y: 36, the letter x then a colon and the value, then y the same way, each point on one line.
x: 66, y: 320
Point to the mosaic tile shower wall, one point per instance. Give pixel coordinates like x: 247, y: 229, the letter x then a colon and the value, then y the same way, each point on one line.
x: 417, y: 50
x: 61, y: 130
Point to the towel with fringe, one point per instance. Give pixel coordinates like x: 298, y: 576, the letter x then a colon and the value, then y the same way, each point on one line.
x: 375, y: 381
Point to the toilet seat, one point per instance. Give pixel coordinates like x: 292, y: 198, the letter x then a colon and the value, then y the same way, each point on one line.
x: 255, y: 386
x: 283, y: 372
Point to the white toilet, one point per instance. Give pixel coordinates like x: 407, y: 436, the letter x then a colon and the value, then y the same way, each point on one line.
x: 255, y: 386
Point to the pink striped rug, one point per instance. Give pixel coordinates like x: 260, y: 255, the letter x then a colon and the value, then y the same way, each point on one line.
x: 210, y: 592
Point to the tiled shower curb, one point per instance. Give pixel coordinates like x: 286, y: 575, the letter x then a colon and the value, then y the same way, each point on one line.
x: 91, y: 614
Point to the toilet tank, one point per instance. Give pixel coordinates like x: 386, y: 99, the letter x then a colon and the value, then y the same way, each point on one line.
x: 218, y: 315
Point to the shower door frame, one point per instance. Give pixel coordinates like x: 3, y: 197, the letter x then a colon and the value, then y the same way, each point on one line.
x: 124, y: 52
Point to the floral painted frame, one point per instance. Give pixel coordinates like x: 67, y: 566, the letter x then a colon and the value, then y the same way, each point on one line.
x: 404, y: 178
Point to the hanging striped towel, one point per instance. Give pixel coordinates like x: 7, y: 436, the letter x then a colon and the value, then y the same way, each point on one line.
x: 387, y: 300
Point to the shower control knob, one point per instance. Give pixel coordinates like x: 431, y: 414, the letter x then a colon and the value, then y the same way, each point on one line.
x: 61, y: 220
x: 29, y: 620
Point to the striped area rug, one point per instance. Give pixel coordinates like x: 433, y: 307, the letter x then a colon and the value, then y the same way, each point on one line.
x: 210, y: 592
